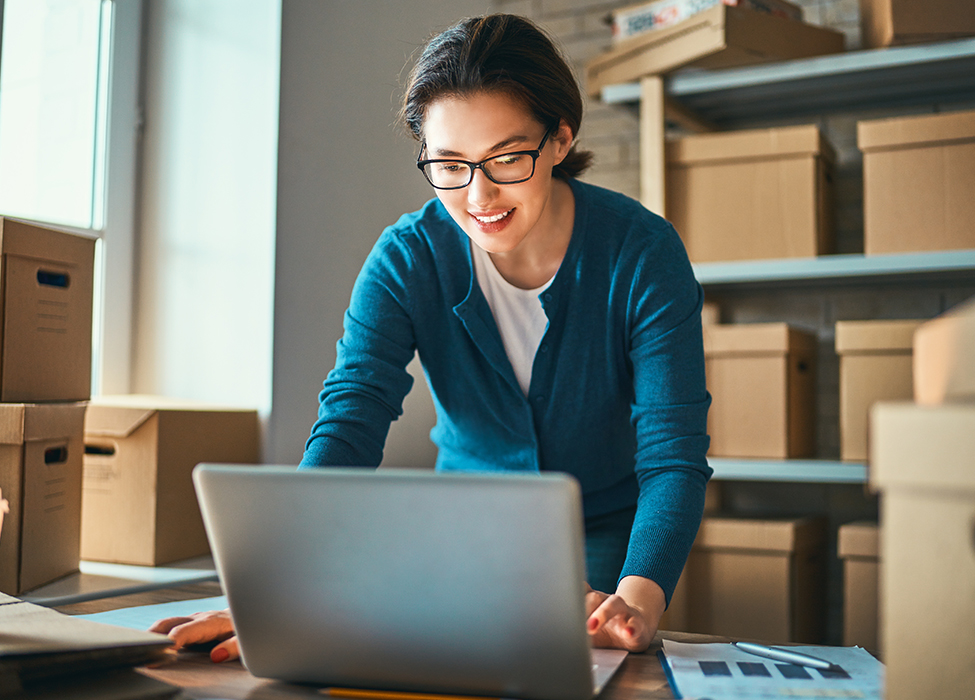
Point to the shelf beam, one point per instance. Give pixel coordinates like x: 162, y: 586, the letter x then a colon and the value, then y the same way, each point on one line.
x: 935, y: 266
x: 810, y: 471
x: 896, y: 77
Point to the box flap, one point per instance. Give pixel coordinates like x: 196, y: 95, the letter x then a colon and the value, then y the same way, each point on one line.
x: 923, y: 447
x: 755, y: 338
x: 115, y: 421
x: 944, y: 357
x: 859, y: 539
x: 161, y: 403
x: 752, y: 144
x: 901, y: 132
x: 782, y: 536
x: 26, y: 239
x: 43, y: 421
x: 11, y: 423
x: 876, y: 336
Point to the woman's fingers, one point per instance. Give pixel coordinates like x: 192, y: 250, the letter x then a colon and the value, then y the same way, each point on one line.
x: 198, y: 628
x: 613, y: 623
x: 610, y: 607
x: 225, y: 651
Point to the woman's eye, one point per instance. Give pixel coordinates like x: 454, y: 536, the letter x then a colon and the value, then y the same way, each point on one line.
x: 509, y: 160
x: 449, y: 167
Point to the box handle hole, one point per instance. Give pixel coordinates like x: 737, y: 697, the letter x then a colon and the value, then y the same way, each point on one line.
x: 53, y: 279
x: 55, y: 455
x: 802, y: 367
x: 100, y: 450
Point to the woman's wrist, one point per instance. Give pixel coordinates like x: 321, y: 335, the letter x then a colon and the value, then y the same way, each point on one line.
x: 645, y: 596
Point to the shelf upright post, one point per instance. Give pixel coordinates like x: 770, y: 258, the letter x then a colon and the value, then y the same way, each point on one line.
x: 653, y: 166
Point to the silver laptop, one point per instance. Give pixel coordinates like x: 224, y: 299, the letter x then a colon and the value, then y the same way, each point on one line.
x: 406, y: 580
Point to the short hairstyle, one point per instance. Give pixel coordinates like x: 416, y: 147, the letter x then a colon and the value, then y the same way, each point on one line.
x: 502, y: 53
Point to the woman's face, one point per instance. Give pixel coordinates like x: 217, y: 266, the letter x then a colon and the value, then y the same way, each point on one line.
x: 499, y: 218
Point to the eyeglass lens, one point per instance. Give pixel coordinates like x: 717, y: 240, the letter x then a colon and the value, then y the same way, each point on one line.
x: 501, y: 169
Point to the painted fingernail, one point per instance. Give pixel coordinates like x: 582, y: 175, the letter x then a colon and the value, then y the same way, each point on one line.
x: 630, y: 631
x: 592, y: 624
x: 219, y: 654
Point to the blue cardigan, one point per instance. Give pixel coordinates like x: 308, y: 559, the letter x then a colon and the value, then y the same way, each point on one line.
x: 617, y: 395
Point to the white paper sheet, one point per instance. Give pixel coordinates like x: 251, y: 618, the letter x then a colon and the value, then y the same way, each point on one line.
x: 688, y: 664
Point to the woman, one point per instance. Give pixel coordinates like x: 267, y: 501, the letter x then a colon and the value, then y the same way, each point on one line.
x: 558, y: 324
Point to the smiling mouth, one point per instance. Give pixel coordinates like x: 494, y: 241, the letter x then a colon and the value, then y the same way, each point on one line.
x: 492, y: 219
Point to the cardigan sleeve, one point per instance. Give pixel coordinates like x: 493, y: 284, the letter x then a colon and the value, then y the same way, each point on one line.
x: 669, y: 412
x: 364, y: 393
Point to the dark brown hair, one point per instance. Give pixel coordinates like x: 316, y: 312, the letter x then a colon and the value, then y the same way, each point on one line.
x: 503, y: 53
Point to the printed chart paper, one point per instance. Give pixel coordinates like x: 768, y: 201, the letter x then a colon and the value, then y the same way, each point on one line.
x: 723, y: 672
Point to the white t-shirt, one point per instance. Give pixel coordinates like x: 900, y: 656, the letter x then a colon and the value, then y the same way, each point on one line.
x: 517, y: 312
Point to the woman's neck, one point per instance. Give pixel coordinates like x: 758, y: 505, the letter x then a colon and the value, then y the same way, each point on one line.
x: 537, y: 259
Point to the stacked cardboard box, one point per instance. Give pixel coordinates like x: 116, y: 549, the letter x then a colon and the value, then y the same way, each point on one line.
x: 745, y: 195
x: 762, y: 380
x: 889, y: 22
x: 875, y: 365
x: 718, y: 37
x: 652, y: 16
x: 754, y: 579
x: 921, y: 463
x: 139, y: 506
x: 46, y: 280
x: 918, y: 179
x: 858, y: 546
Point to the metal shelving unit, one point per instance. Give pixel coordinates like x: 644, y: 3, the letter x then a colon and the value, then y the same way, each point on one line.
x: 860, y: 81
x: 890, y: 78
x: 810, y: 471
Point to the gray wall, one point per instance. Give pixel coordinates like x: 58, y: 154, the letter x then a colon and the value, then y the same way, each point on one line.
x: 344, y: 173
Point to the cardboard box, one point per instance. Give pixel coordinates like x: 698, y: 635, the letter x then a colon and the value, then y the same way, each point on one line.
x: 858, y: 546
x: 921, y: 462
x: 887, y: 22
x: 762, y: 379
x: 754, y: 579
x: 41, y: 448
x: 918, y: 179
x: 875, y: 365
x: 652, y: 16
x: 719, y: 37
x: 139, y: 505
x: 46, y: 282
x: 944, y: 357
x: 746, y: 195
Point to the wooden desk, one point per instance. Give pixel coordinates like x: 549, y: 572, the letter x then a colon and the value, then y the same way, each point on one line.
x: 640, y: 677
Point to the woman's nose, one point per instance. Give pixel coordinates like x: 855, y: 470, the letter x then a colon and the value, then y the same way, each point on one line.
x: 481, y: 191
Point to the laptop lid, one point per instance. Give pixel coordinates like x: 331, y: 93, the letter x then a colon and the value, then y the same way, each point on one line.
x: 403, y: 579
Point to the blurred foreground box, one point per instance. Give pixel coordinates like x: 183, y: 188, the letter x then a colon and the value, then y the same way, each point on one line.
x: 921, y: 462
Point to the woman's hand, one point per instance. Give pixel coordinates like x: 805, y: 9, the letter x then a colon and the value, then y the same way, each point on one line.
x: 200, y: 628
x: 627, y: 619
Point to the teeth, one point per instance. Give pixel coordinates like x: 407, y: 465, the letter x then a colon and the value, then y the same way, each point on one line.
x: 492, y: 219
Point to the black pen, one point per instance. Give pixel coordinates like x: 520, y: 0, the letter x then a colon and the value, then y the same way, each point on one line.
x: 790, y: 657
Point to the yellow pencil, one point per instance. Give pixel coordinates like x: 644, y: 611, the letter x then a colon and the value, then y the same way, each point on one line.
x: 358, y: 694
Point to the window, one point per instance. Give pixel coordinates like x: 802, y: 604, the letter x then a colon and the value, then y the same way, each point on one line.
x: 53, y: 95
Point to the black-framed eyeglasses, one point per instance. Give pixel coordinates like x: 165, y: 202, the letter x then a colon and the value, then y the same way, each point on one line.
x: 505, y: 169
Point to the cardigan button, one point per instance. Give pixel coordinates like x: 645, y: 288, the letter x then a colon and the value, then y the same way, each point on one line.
x: 543, y: 348
x: 548, y: 296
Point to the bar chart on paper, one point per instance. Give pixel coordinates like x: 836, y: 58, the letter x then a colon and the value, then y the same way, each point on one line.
x: 722, y: 672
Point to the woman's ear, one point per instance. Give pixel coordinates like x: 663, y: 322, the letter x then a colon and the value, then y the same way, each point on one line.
x: 562, y: 138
